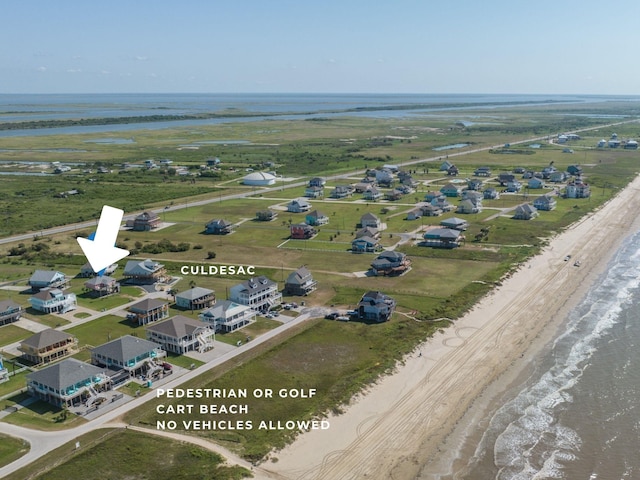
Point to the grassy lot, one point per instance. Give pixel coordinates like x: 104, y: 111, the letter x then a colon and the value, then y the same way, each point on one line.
x: 183, y: 361
x: 16, y: 382
x: 105, y: 329
x: 41, y: 415
x: 11, y: 449
x: 333, y: 357
x: 128, y: 454
x: 11, y: 333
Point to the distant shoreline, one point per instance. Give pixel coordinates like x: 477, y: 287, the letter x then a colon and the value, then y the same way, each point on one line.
x: 241, y: 114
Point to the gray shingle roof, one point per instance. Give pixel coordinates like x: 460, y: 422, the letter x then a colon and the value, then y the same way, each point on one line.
x: 257, y: 284
x: 125, y: 348
x: 64, y: 374
x: 177, y: 327
x: 46, y: 337
x: 300, y: 276
x: 147, y: 305
x: 146, y: 267
x: 6, y: 305
x: 194, y: 293
x: 44, y: 276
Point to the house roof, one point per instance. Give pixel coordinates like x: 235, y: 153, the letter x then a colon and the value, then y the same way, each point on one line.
x: 125, y: 348
x: 453, y: 221
x: 443, y: 233
x: 194, y: 293
x: 178, y: 326
x: 300, y: 276
x: 64, y: 374
x: 147, y: 217
x: 6, y: 305
x: 46, y: 337
x: 375, y: 297
x: 225, y: 308
x: 526, y: 208
x: 391, y: 255
x: 257, y: 284
x: 48, y: 294
x: 219, y: 223
x: 44, y: 276
x: 365, y: 239
x: 316, y: 214
x: 367, y: 232
x: 100, y: 281
x: 369, y: 216
x: 147, y: 304
x: 145, y: 267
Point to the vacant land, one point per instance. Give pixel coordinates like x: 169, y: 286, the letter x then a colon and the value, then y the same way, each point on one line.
x: 132, y: 455
x: 338, y: 359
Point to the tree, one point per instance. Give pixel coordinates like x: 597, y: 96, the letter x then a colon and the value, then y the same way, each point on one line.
x: 211, y: 254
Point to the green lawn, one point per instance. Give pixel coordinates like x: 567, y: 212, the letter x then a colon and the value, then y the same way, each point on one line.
x: 120, y: 454
x: 105, y: 329
x: 335, y: 358
x: 41, y: 415
x: 11, y: 449
x: 16, y: 382
x: 11, y: 333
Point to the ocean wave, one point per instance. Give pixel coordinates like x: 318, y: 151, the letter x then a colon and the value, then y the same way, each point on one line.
x: 528, y: 437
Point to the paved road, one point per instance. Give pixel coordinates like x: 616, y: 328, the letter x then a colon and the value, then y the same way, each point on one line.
x: 44, y: 442
x: 276, y: 188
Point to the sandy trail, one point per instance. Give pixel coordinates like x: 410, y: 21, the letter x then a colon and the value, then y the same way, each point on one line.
x: 406, y: 418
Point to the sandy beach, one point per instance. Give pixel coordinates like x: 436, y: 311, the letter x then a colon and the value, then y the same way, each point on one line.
x: 426, y: 409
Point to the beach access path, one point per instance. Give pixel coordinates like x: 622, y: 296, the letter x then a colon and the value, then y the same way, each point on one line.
x: 407, y: 417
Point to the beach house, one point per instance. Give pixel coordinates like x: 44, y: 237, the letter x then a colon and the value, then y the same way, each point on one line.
x: 182, y: 334
x: 370, y: 220
x: 144, y: 272
x: 300, y: 282
x: 47, y: 279
x: 148, y: 310
x: 195, y: 298
x: 47, y: 346
x: 526, y: 211
x: 259, y: 293
x: 146, y: 221
x: 10, y: 311
x: 391, y: 262
x: 375, y: 306
x: 53, y: 300
x: 228, y: 316
x: 129, y: 354
x: 68, y: 383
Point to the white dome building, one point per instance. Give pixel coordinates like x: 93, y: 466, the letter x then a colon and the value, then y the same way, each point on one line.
x: 259, y: 178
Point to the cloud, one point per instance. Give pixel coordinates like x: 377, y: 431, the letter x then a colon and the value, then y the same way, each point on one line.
x: 74, y: 70
x: 41, y: 69
x: 141, y: 58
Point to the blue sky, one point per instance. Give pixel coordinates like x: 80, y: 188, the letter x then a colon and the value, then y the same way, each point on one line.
x: 404, y: 46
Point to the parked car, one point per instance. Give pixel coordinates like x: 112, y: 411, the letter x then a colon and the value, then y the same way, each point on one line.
x: 332, y: 315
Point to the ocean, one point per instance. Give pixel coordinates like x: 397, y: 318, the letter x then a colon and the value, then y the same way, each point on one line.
x: 578, y: 415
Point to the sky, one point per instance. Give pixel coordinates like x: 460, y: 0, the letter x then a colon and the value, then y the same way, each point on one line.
x: 346, y: 46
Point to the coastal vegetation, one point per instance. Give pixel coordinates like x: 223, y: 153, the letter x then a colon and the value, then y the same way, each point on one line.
x: 338, y: 359
x: 117, y: 453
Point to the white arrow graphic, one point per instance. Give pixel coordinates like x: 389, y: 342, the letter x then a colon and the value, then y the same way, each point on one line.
x: 101, y: 251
